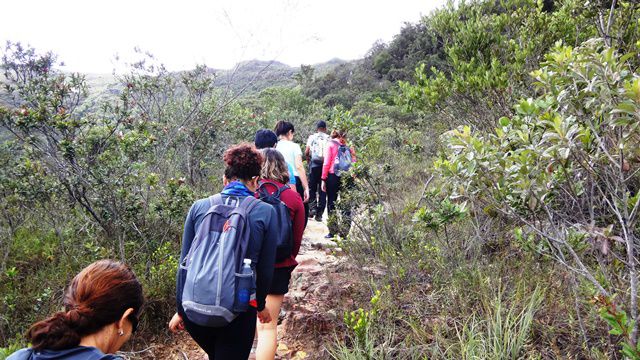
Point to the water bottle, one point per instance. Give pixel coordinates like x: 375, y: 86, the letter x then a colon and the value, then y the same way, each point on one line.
x: 245, y: 285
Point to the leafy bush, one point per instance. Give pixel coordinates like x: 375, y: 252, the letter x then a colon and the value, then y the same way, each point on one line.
x: 563, y: 167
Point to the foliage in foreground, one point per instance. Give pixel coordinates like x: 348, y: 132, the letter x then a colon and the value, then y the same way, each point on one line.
x: 564, y: 169
x: 559, y: 167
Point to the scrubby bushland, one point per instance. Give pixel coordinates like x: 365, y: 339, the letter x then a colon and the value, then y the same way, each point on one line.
x: 563, y: 168
x: 113, y: 179
x: 558, y: 168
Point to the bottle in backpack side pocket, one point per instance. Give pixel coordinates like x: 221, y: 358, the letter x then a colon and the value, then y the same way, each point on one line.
x: 244, y: 287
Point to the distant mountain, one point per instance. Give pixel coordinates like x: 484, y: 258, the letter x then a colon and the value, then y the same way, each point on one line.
x: 256, y: 75
x: 249, y: 77
x: 325, y: 67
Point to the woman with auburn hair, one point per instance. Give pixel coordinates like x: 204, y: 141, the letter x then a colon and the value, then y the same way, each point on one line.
x: 102, y: 306
x: 275, y: 176
x: 243, y: 164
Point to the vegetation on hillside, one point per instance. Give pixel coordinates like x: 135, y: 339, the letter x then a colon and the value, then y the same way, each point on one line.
x: 496, y: 186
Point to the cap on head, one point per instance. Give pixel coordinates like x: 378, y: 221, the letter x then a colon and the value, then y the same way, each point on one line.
x: 265, y: 138
x: 321, y: 125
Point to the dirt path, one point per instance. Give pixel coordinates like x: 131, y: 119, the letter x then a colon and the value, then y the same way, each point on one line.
x: 309, y: 316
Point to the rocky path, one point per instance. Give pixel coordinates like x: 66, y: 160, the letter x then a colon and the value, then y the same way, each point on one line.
x: 311, y: 311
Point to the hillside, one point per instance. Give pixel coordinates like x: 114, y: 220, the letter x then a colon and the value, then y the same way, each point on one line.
x: 253, y: 76
x: 249, y: 77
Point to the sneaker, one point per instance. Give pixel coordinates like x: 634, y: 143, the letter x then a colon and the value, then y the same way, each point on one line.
x: 328, y: 236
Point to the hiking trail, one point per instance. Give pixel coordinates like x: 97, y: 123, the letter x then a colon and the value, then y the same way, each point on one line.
x: 319, y: 286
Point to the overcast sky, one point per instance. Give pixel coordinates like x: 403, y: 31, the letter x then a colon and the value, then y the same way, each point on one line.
x: 88, y: 34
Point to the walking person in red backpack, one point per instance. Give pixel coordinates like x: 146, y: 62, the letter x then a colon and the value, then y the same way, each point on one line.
x: 290, y: 209
x: 338, y: 160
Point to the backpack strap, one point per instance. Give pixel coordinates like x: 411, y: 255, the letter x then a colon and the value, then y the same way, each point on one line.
x: 279, y: 189
x: 264, y: 183
x: 248, y: 204
x: 215, y: 200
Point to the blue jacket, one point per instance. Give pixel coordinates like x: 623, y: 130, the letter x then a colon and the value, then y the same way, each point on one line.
x: 261, y: 249
x: 76, y: 353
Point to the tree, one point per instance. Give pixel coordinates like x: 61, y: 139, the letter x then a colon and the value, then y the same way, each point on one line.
x: 490, y: 49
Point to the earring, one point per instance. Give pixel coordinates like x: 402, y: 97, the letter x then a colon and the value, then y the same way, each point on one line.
x: 120, y: 332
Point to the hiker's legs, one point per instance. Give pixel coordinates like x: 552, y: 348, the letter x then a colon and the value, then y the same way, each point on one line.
x: 202, y: 336
x: 300, y: 191
x: 267, y: 333
x: 332, y: 192
x: 313, y: 190
x: 316, y: 175
x: 234, y: 341
x: 230, y: 342
x: 345, y: 207
x: 333, y: 187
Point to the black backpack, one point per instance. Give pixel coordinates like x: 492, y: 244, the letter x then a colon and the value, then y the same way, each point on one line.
x: 283, y: 219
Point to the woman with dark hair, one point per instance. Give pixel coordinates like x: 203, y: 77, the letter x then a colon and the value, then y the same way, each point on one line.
x: 332, y: 178
x: 274, y: 177
x: 266, y: 138
x: 102, y: 306
x: 243, y: 164
x: 292, y: 154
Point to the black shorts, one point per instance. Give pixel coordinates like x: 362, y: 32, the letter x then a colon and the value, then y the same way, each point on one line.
x: 280, y: 282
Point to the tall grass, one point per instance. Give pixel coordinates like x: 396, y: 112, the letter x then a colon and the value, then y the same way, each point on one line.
x: 501, y: 333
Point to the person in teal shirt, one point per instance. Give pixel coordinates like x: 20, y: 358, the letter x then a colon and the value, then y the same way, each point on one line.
x: 266, y: 138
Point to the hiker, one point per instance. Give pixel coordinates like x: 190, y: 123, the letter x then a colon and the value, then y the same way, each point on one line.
x: 266, y: 138
x: 101, y: 310
x: 293, y: 156
x: 337, y: 161
x: 314, y: 153
x: 274, y: 176
x: 220, y: 329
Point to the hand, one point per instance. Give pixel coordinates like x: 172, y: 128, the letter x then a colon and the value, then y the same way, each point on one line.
x: 306, y: 195
x: 323, y: 186
x: 176, y: 324
x: 264, y: 316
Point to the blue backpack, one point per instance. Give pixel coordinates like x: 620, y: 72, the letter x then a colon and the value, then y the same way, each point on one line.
x: 214, y: 263
x: 343, y: 160
x: 283, y: 219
